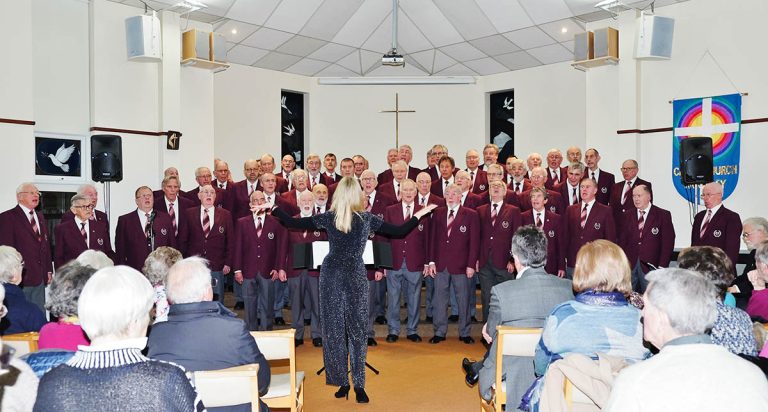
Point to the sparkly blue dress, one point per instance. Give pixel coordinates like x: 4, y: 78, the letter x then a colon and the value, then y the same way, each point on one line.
x: 344, y: 290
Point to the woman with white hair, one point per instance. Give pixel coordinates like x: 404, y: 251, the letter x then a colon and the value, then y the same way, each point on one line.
x: 754, y: 232
x: 23, y: 316
x: 95, y: 259
x: 156, y: 268
x: 112, y: 374
x: 343, y: 282
x: 758, y: 301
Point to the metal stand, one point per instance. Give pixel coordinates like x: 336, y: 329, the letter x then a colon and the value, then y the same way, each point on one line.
x: 367, y: 365
x: 106, y: 199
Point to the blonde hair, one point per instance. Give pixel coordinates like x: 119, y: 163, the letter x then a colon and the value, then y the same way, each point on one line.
x: 347, y: 201
x: 602, y: 265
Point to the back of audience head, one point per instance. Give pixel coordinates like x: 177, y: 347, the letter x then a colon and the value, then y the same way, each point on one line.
x: 711, y: 262
x: 678, y: 302
x: 95, y: 259
x: 529, y: 247
x: 114, y: 305
x: 66, y: 288
x: 189, y: 281
x: 602, y: 266
x: 158, y: 263
x: 11, y: 265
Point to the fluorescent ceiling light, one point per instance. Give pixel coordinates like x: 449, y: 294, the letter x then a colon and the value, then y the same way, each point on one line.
x: 188, y: 6
x: 612, y: 6
x: 346, y: 81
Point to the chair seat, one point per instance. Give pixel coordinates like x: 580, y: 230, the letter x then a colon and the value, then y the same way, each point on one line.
x: 280, y: 385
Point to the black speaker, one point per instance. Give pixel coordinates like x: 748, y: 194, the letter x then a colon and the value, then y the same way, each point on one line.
x: 106, y: 158
x: 696, y: 160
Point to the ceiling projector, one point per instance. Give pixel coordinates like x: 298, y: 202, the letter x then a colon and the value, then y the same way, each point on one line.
x: 392, y: 59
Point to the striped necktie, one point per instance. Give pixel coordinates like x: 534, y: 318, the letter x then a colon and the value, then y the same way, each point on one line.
x: 172, y: 214
x: 450, y: 222
x: 33, y: 222
x: 206, y: 223
x: 641, y: 223
x: 84, y: 233
x: 494, y: 213
x: 259, y: 226
x: 705, y: 223
x: 584, y: 216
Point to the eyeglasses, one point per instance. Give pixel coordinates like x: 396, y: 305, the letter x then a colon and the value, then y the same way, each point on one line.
x: 626, y: 169
x: 86, y: 207
x: 747, y: 234
x: 32, y: 193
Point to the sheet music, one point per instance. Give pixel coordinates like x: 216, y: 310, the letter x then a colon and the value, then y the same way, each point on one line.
x: 320, y: 251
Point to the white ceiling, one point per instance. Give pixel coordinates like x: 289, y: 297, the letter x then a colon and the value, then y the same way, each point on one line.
x: 437, y: 37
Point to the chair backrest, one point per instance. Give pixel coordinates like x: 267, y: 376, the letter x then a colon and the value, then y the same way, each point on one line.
x: 230, y: 386
x: 24, y: 343
x: 512, y: 341
x: 278, y: 345
x: 575, y: 398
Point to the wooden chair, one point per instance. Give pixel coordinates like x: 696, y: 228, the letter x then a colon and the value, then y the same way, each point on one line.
x: 575, y: 399
x: 285, y: 390
x: 510, y: 341
x: 229, y: 387
x: 24, y: 343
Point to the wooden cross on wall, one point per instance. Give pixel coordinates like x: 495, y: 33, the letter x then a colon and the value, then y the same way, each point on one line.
x: 397, y: 112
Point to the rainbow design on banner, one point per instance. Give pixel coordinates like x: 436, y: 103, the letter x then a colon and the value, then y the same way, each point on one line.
x: 718, y: 117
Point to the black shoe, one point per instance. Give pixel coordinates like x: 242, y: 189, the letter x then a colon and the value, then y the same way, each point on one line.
x: 414, y: 338
x: 474, y: 320
x: 381, y: 320
x: 307, y: 322
x: 392, y: 338
x: 279, y: 321
x: 298, y: 342
x: 361, y: 396
x: 428, y: 319
x: 437, y: 339
x: 471, y: 376
x: 343, y: 392
x: 239, y: 306
x: 453, y: 318
x: 467, y: 339
x: 317, y: 342
x: 372, y: 342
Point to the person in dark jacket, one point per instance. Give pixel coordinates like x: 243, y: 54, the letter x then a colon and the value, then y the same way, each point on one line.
x: 201, y: 334
x: 23, y: 315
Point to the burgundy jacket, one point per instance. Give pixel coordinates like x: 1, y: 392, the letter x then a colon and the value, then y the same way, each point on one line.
x: 621, y: 208
x: 460, y: 250
x: 723, y: 231
x: 100, y: 216
x: 605, y: 182
x: 132, y: 246
x: 259, y: 255
x: 656, y: 243
x: 496, y: 240
x: 36, y: 252
x: 296, y: 236
x: 550, y: 184
x: 414, y: 247
x: 556, y: 242
x: 554, y: 202
x: 599, y: 225
x: 70, y: 243
x: 218, y: 247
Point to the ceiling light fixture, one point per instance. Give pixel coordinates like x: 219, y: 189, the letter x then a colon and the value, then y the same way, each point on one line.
x: 188, y: 6
x: 392, y: 58
x: 564, y: 30
x: 612, y: 6
x: 377, y: 81
x: 234, y: 31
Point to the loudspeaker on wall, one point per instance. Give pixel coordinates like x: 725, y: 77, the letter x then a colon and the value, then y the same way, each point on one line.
x: 106, y: 158
x: 583, y: 46
x: 696, y: 160
x: 607, y: 42
x: 142, y: 37
x: 654, y: 37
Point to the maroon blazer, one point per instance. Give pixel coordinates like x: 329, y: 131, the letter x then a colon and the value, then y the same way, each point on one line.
x: 657, y: 241
x: 437, y: 187
x: 481, y: 181
x: 215, y: 184
x: 433, y: 172
x: 380, y: 204
x: 388, y: 188
x: 556, y: 242
x: 723, y: 231
x: 460, y: 250
x: 550, y: 184
x: 599, y: 225
x: 160, y: 193
x: 36, y: 252
x: 184, y: 204
x: 256, y: 255
x: 281, y: 184
x: 322, y: 178
x: 605, y: 182
x: 70, y: 243
x: 566, y: 194
x: 238, y: 199
x: 386, y: 176
x: 100, y: 216
x: 511, y: 185
x: 288, y: 202
x: 414, y: 247
x: 472, y: 200
x: 432, y: 199
x: 296, y: 236
x: 331, y: 180
x: 221, y: 197
x: 510, y: 198
x: 218, y: 247
x: 621, y: 208
x: 554, y: 202
x: 496, y: 240
x: 132, y: 246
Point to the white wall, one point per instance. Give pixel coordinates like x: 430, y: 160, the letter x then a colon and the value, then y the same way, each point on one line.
x: 733, y: 33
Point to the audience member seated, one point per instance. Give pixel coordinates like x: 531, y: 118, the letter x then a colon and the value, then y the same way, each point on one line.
x: 599, y: 320
x: 95, y: 259
x: 201, y: 334
x: 22, y: 315
x: 18, y: 383
x: 732, y: 328
x: 758, y: 302
x: 754, y: 232
x: 112, y: 374
x: 689, y: 373
x: 156, y: 268
x: 63, y: 295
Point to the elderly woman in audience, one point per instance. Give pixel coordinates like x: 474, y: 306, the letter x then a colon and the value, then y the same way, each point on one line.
x: 112, y: 374
x: 95, y: 259
x: 689, y: 373
x: 18, y: 383
x: 754, y: 232
x: 156, y: 268
x: 758, y: 301
x: 733, y: 328
x: 23, y: 316
x: 63, y: 296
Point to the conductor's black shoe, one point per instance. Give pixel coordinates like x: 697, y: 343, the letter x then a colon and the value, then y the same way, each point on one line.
x: 381, y: 320
x: 428, y: 319
x: 471, y: 376
x: 343, y: 392
x: 392, y: 338
x: 414, y: 338
x: 239, y: 305
x: 467, y: 339
x: 474, y: 320
x: 279, y: 321
x: 453, y: 318
x: 437, y: 339
x: 298, y: 342
x: 361, y: 396
x: 372, y: 342
x: 307, y: 322
x: 317, y: 342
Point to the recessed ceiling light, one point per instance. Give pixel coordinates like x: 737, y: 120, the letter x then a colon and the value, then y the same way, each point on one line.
x: 564, y: 30
x: 234, y: 31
